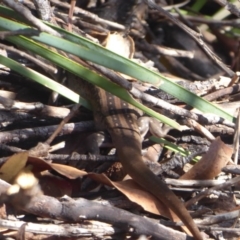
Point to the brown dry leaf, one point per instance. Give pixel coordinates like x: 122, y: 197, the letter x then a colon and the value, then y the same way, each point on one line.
x: 13, y: 166
x: 211, y: 163
x: 118, y: 43
x: 39, y: 165
x: 68, y: 171
x: 136, y: 194
x: 53, y: 185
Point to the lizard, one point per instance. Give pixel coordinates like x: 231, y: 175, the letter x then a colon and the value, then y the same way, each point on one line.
x: 121, y: 120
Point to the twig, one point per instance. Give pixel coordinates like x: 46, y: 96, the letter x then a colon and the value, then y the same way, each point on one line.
x: 23, y: 11
x: 196, y: 36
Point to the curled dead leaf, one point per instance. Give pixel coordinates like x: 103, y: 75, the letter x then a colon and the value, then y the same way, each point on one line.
x: 211, y: 163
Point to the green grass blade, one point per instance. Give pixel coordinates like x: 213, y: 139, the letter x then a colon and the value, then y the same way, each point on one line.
x: 86, y: 74
x: 95, y: 53
x: 47, y: 82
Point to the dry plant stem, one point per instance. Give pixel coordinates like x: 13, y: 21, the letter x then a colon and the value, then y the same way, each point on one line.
x: 84, y: 230
x: 64, y: 230
x: 70, y: 15
x: 223, y: 217
x: 75, y: 157
x: 120, y: 202
x: 18, y: 7
x: 196, y: 36
x: 232, y: 169
x: 199, y: 128
x: 234, y: 80
x: 25, y: 32
x: 201, y: 88
x: 222, y: 92
x: 10, y: 149
x: 56, y: 112
x: 210, y: 190
x: 89, y: 15
x: 16, y: 136
x: 185, y: 20
x: 205, y: 119
x: 71, y: 210
x: 153, y: 58
x: 43, y: 110
x: 193, y: 183
x: 178, y: 65
x: 46, y: 67
x: 229, y: 6
x: 15, y: 105
x: 57, y: 146
x: 44, y: 9
x: 160, y: 103
x: 176, y: 6
x: 76, y: 211
x: 6, y: 102
x: 214, y: 22
x: 91, y: 26
x: 220, y: 129
x: 155, y: 49
x: 236, y: 138
x: 113, y: 76
x: 58, y: 157
x: 7, y: 117
x: 61, y: 125
x: 235, y: 231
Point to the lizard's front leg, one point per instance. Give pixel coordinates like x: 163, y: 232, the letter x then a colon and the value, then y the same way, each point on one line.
x: 153, y: 125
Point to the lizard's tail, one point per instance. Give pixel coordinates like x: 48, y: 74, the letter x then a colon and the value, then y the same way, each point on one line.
x: 131, y: 159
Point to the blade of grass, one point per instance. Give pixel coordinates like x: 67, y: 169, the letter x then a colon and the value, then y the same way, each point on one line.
x: 95, y: 53
x: 49, y: 83
x: 45, y: 81
x: 173, y: 147
x: 81, y: 72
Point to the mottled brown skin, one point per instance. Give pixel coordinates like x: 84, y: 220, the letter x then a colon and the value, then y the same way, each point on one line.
x: 120, y: 120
